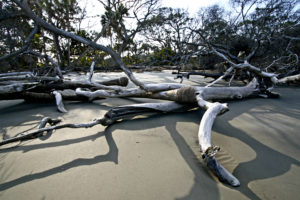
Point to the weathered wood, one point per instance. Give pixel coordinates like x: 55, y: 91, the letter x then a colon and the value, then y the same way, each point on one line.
x: 131, y: 92
x: 114, y: 114
x: 29, y: 77
x: 15, y: 74
x: 105, y: 85
x: 48, y: 58
x: 16, y: 87
x: 206, y: 146
x: 290, y: 79
x: 212, y: 110
x: 59, y: 102
x: 68, y: 95
x: 220, y: 172
x: 180, y: 93
x: 246, y: 65
x: 91, y: 71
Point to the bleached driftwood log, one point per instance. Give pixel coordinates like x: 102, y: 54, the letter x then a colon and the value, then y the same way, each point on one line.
x: 207, y: 149
x: 27, y: 86
x: 91, y: 71
x: 184, y: 94
x: 290, y: 79
x: 16, y: 87
x: 177, y: 93
x: 59, y: 102
x: 15, y: 74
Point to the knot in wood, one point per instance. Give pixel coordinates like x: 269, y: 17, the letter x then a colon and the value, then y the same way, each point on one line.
x: 211, y: 151
x: 123, y: 81
x: 186, y: 94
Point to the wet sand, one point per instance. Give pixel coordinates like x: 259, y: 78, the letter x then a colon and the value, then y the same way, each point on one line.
x: 152, y: 157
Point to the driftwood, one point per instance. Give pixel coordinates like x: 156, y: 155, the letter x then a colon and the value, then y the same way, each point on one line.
x: 181, y: 96
x: 182, y: 75
x: 43, y: 88
x: 290, y: 79
x: 190, y: 96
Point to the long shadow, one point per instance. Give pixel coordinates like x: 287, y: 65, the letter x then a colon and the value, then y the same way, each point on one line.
x: 268, y: 162
x: 33, y: 147
x: 200, y: 186
x: 33, y: 114
x: 203, y: 182
x: 111, y: 156
x: 279, y: 164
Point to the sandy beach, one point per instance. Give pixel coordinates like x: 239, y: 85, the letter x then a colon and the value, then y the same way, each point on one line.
x: 152, y: 157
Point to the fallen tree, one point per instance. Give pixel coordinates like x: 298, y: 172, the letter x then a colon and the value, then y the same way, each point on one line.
x: 179, y: 96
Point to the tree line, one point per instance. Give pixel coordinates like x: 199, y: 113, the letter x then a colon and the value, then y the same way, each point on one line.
x: 144, y: 33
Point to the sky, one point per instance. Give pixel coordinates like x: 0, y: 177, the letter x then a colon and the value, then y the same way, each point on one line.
x: 193, y: 5
x: 94, y: 8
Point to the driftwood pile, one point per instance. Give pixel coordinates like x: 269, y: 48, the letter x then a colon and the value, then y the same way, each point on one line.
x: 31, y: 87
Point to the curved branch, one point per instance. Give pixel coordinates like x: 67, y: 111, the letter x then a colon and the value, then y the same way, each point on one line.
x: 24, y: 5
x: 206, y: 147
x: 48, y: 58
x: 117, y: 113
x: 24, y: 48
x: 59, y: 102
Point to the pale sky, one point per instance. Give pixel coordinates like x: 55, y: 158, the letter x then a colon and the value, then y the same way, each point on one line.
x: 94, y: 8
x: 193, y: 5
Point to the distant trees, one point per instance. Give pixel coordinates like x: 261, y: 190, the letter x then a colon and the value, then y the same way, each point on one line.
x: 61, y: 14
x: 143, y: 33
x: 124, y: 19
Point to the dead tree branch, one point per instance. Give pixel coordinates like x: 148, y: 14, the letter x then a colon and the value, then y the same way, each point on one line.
x: 24, y: 5
x: 27, y: 44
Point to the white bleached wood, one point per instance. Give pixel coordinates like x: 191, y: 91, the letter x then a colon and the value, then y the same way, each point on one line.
x: 206, y: 146
x: 228, y: 71
x: 290, y: 79
x: 121, y: 112
x: 16, y: 87
x: 131, y: 92
x: 91, y: 71
x: 246, y: 65
x: 207, y: 121
x: 173, y: 92
x: 15, y: 74
x: 59, y: 102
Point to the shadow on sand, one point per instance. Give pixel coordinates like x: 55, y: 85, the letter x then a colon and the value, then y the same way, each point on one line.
x: 276, y: 163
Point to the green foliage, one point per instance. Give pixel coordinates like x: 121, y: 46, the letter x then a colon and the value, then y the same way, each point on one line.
x: 163, y: 56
